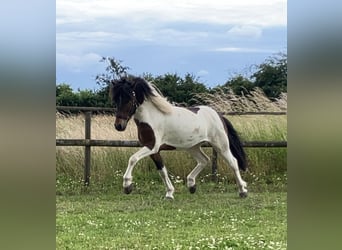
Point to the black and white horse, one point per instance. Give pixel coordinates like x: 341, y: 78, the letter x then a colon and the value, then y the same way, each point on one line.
x: 162, y: 126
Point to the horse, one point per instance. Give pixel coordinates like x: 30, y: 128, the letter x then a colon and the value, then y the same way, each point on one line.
x: 163, y: 126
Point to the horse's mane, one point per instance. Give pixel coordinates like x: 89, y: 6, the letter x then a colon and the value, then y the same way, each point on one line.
x: 146, y: 90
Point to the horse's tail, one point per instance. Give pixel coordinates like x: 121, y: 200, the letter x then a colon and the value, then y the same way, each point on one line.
x: 235, y: 144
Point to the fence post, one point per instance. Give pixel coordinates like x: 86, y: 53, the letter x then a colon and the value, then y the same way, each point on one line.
x: 87, y: 148
x: 214, y: 165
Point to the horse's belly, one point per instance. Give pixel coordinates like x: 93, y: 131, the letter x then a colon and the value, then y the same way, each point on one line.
x: 184, y: 137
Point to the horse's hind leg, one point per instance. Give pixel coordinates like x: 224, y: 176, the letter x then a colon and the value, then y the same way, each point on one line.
x: 158, y: 161
x: 232, y: 162
x: 202, y: 160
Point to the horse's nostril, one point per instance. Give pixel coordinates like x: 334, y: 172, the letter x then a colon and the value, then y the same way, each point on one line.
x: 118, y: 127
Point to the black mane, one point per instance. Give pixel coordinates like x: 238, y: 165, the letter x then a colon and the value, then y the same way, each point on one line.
x: 125, y: 86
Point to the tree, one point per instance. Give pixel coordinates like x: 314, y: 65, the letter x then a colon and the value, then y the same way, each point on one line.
x: 114, y: 70
x: 167, y: 84
x: 240, y: 85
x: 102, y: 97
x: 179, y: 90
x: 65, y: 96
x: 87, y: 98
x: 271, y: 76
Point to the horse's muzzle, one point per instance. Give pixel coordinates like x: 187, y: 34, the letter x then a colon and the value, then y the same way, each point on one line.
x: 120, y: 124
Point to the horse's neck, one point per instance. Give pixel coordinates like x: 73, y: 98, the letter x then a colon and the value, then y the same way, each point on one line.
x: 147, y: 111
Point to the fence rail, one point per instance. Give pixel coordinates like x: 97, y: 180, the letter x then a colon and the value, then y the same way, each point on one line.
x: 112, y: 110
x: 133, y: 143
x: 87, y: 143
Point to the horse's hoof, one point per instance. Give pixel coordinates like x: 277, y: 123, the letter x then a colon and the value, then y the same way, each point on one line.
x: 243, y: 194
x: 128, y: 189
x: 170, y: 198
x: 192, y: 189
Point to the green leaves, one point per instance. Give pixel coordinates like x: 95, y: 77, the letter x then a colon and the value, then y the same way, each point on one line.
x: 178, y: 89
x: 271, y: 76
x: 65, y: 96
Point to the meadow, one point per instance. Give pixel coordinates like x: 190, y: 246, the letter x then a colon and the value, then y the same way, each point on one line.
x: 102, y: 217
x: 212, y: 218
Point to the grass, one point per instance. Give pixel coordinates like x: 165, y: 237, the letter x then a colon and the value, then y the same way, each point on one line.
x: 208, y: 219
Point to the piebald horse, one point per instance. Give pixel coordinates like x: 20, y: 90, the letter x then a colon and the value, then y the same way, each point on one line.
x: 162, y: 126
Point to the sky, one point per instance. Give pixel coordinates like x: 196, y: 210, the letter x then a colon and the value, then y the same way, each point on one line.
x: 211, y: 39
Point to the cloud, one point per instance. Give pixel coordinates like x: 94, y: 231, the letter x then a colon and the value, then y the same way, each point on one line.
x: 77, y: 63
x: 94, y: 35
x: 202, y: 72
x: 85, y: 41
x: 245, y: 31
x: 262, y: 13
x: 172, y: 36
x: 243, y: 50
x: 86, y: 24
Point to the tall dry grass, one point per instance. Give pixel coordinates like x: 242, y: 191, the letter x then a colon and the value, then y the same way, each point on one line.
x: 224, y: 100
x: 102, y: 127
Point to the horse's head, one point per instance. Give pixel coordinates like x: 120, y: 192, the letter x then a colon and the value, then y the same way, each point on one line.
x: 127, y: 94
x: 124, y: 100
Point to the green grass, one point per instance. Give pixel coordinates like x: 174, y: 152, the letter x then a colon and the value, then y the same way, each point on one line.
x: 212, y: 218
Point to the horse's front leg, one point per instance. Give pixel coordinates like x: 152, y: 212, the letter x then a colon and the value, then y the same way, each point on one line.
x: 158, y: 161
x: 127, y: 178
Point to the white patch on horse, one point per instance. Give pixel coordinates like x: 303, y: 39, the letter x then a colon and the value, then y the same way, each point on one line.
x: 196, y: 130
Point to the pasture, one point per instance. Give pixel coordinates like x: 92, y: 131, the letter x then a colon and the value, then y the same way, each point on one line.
x: 102, y: 217
x: 212, y: 218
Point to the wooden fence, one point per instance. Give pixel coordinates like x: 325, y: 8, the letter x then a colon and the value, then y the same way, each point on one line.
x: 87, y: 142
